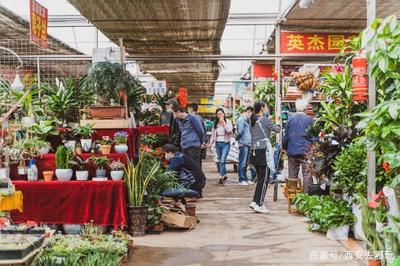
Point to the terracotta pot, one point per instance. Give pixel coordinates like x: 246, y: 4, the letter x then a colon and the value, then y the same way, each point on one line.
x: 48, y: 175
x: 159, y: 227
x: 137, y: 220
x: 105, y: 149
x: 105, y: 112
x: 373, y: 262
x: 191, y: 209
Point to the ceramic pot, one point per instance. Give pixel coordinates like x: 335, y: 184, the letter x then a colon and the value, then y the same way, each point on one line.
x: 137, y: 220
x: 48, y: 175
x: 82, y: 175
x: 70, y: 144
x: 64, y: 174
x: 121, y: 148
x: 101, y: 173
x: 4, y: 173
x: 44, y: 150
x: 86, y: 144
x: 117, y: 175
x: 105, y: 149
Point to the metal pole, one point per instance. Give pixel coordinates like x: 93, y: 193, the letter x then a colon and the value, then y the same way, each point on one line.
x: 278, y: 108
x: 38, y: 76
x: 371, y: 15
x: 96, y: 37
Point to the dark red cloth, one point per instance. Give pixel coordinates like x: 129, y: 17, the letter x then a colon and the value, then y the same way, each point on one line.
x: 73, y: 202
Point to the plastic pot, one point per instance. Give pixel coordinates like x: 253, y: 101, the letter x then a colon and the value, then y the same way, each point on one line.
x: 117, y: 175
x: 137, y: 220
x: 105, y: 149
x: 121, y: 148
x: 82, y: 175
x: 64, y: 174
x: 86, y: 144
x: 48, y: 175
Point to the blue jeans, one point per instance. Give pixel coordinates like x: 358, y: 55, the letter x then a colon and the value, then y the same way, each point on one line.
x: 222, y: 150
x: 243, y: 159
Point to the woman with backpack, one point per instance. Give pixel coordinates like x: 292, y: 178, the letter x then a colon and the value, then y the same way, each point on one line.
x: 221, y: 138
x: 261, y: 154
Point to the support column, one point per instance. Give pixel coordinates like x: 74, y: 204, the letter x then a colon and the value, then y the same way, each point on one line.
x: 278, y: 103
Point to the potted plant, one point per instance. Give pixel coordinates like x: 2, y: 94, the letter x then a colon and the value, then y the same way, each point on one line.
x: 150, y: 113
x: 101, y: 163
x: 121, y: 140
x: 64, y: 170
x: 154, y: 223
x: 105, y: 144
x: 48, y: 175
x: 42, y: 131
x: 69, y: 139
x: 85, y: 133
x: 82, y: 174
x: 116, y: 170
x: 137, y: 183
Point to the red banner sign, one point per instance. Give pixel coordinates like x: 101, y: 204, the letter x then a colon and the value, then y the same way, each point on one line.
x: 313, y: 43
x: 38, y: 23
x: 263, y: 71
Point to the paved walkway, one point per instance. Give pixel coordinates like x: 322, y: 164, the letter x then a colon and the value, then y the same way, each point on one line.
x: 230, y: 233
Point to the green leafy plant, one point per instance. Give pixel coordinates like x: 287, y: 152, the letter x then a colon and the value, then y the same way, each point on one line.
x: 136, y: 181
x: 154, y: 214
x: 84, y: 132
x: 153, y: 140
x: 44, y: 129
x: 116, y: 166
x: 105, y: 140
x: 265, y: 91
x: 350, y: 166
x: 61, y: 102
x: 29, y: 148
x: 100, y: 162
x: 79, y: 162
x: 305, y: 202
x: 63, y: 158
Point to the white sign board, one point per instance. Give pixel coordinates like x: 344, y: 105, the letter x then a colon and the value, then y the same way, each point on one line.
x: 156, y: 87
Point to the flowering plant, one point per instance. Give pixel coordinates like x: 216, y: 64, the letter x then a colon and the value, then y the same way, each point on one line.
x: 105, y: 140
x: 151, y: 107
x: 121, y: 137
x: 116, y: 165
x: 150, y: 114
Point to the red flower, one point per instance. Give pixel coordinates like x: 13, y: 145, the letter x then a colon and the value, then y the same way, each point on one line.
x: 386, y: 166
x: 377, y: 200
x: 373, y: 204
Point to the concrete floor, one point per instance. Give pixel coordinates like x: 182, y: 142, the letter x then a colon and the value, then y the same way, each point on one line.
x: 230, y: 233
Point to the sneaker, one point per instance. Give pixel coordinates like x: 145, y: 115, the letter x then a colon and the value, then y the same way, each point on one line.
x: 261, y: 209
x: 220, y: 180
x: 225, y: 178
x: 243, y: 183
x: 253, y: 205
x: 250, y: 182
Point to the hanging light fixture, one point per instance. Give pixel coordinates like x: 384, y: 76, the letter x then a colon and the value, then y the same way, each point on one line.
x: 17, y: 84
x: 306, y: 3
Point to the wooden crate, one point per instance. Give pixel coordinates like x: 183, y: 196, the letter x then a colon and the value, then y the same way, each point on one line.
x: 108, y: 123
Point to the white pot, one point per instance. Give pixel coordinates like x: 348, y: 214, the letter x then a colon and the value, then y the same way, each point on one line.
x: 357, y: 227
x: 44, y: 150
x: 86, y: 144
x: 64, y: 174
x: 117, y: 175
x: 73, y: 229
x: 4, y: 173
x: 82, y: 175
x: 101, y: 173
x: 338, y: 233
x: 121, y: 148
x: 70, y: 144
x: 22, y: 170
x: 27, y: 121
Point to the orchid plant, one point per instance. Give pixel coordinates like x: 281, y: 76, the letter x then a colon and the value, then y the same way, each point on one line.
x: 121, y: 137
x: 150, y: 113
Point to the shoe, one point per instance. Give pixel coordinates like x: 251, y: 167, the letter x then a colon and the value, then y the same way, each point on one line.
x: 253, y: 205
x: 243, y: 183
x: 220, y: 180
x: 261, y: 209
x: 225, y: 178
x: 250, y: 182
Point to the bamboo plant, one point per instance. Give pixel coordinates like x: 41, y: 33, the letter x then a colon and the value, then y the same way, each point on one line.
x: 136, y: 181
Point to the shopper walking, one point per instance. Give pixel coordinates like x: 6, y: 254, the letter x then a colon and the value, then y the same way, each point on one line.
x: 261, y: 153
x: 174, y: 136
x: 296, y: 142
x: 221, y: 138
x: 193, y: 109
x: 191, y: 132
x: 244, y: 141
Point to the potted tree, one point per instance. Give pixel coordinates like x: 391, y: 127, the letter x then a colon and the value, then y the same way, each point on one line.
x: 121, y: 140
x: 116, y: 170
x: 101, y: 163
x: 137, y: 182
x: 105, y: 144
x: 82, y: 174
x: 85, y: 133
x: 64, y: 170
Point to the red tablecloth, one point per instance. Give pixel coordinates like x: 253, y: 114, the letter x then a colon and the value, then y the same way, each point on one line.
x: 162, y: 130
x: 73, y: 202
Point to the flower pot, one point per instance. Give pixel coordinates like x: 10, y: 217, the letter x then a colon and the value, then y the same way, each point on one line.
x: 4, y: 173
x: 82, y: 175
x: 157, y: 229
x: 107, y: 112
x: 48, y: 175
x: 373, y: 262
x: 315, y: 189
x: 44, y: 150
x: 338, y: 233
x: 105, y: 149
x: 190, y: 209
x: 27, y: 121
x: 121, y: 148
x: 70, y: 144
x: 64, y: 174
x: 101, y: 173
x: 86, y: 144
x: 117, y: 175
x: 137, y: 220
x: 22, y: 170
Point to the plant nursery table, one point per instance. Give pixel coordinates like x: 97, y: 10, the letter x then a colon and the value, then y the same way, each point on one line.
x: 73, y: 202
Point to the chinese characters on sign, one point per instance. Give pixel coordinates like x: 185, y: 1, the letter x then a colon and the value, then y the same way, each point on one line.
x: 38, y: 23
x: 308, y: 43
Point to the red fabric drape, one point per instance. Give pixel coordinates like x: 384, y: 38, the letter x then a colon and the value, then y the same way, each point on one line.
x: 73, y: 202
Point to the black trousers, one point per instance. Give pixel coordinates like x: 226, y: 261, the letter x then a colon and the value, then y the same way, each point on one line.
x: 194, y: 153
x: 262, y: 184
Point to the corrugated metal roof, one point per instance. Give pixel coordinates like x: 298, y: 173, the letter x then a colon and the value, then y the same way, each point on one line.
x: 165, y: 27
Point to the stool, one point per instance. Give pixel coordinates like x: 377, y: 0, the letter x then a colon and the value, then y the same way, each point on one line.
x: 291, y: 190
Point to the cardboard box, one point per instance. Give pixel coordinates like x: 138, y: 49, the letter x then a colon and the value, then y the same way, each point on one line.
x: 179, y: 219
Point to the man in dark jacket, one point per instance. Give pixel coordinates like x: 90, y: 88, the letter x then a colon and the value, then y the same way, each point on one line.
x: 174, y: 136
x: 193, y: 109
x: 296, y: 142
x: 178, y: 161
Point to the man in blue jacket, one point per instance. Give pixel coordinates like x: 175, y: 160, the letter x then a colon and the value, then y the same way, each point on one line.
x: 192, y: 133
x: 244, y: 140
x: 296, y: 142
